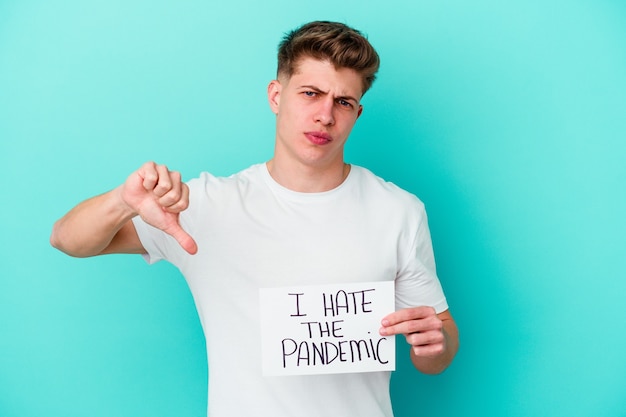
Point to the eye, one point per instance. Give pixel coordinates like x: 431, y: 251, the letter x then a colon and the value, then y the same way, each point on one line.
x: 310, y: 93
x: 344, y: 103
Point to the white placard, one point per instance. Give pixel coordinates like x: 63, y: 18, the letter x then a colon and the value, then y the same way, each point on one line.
x: 326, y: 329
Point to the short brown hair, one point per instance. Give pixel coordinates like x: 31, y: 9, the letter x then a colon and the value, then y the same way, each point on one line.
x: 343, y: 46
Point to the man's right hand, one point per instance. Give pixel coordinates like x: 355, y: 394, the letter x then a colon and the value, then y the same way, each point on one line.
x: 158, y: 195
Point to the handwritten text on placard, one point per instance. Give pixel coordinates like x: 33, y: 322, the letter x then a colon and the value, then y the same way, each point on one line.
x: 326, y: 329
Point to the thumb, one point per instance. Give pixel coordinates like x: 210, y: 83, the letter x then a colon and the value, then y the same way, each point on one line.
x: 183, y: 238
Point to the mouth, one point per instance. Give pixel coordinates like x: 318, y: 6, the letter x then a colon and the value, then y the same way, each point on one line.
x: 318, y: 138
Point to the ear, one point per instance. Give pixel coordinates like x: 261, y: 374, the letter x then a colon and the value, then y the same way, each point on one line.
x: 360, y: 111
x: 273, y: 95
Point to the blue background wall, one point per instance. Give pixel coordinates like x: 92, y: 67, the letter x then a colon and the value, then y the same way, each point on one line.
x: 508, y: 119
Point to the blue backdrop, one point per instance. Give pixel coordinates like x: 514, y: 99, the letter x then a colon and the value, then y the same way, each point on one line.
x: 508, y: 119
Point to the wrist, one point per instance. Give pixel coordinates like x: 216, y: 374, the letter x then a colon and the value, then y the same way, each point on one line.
x: 121, y: 205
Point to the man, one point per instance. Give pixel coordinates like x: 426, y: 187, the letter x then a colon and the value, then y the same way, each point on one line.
x: 304, y: 217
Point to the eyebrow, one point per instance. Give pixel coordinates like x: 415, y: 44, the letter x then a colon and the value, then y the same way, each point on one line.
x: 318, y: 90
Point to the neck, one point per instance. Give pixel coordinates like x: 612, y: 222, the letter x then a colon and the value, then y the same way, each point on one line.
x: 306, y: 179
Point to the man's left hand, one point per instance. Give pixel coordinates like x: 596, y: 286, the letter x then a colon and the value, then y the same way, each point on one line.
x: 421, y: 327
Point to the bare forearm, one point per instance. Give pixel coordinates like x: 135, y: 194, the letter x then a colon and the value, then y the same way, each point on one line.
x: 437, y: 364
x: 89, y: 228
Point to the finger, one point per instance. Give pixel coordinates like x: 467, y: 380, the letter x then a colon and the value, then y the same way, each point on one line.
x: 165, y: 180
x: 183, y: 202
x: 428, y: 350
x: 406, y: 327
x: 149, y: 175
x: 413, y: 326
x: 432, y: 337
x: 407, y: 314
x: 177, y: 198
x: 183, y: 238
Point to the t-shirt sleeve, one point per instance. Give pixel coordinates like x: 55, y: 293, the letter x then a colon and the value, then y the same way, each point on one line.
x: 417, y: 283
x: 152, y: 239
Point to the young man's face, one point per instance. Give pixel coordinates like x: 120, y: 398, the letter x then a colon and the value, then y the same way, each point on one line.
x: 315, y: 111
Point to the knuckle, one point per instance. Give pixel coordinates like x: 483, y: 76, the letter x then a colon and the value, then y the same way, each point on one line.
x: 437, y: 337
x: 415, y: 326
x: 167, y: 202
x: 183, y: 204
x: 164, y: 182
x: 174, y: 193
x: 437, y: 350
x: 435, y: 323
x: 150, y: 176
x: 175, y: 204
x: 438, y: 324
x: 413, y: 339
x: 161, y: 189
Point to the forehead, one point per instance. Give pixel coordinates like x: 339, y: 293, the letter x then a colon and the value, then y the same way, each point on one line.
x: 323, y: 75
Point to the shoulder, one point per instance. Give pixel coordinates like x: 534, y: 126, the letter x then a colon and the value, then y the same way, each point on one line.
x: 214, y: 193
x: 207, y: 181
x: 386, y: 192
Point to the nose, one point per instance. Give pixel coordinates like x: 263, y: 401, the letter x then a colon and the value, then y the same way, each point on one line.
x: 324, y: 112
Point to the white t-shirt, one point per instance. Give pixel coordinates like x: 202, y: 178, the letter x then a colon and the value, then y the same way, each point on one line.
x: 253, y: 233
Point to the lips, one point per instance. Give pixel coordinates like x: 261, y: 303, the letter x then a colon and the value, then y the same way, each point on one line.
x: 318, y: 138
